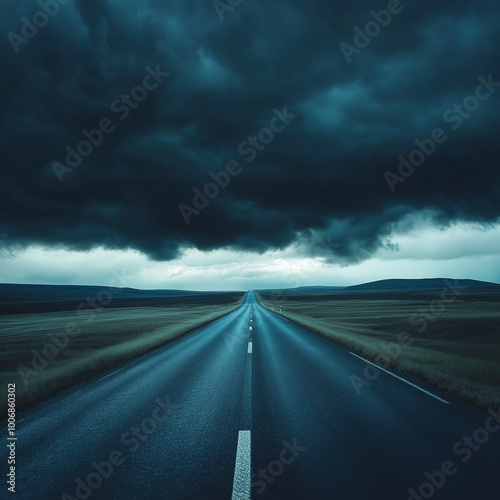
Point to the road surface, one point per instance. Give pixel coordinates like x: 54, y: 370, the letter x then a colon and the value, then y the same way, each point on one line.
x: 254, y: 406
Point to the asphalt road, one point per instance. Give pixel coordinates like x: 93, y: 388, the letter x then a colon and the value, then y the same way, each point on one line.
x: 254, y: 406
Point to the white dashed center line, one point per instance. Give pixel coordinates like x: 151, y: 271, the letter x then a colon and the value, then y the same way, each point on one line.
x: 242, y: 471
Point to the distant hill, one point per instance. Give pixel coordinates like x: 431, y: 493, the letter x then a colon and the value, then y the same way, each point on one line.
x: 394, y: 285
x: 317, y: 289
x: 29, y: 299
x: 55, y: 293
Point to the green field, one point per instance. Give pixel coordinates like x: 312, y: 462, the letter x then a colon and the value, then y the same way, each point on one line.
x: 453, y: 344
x: 35, y: 357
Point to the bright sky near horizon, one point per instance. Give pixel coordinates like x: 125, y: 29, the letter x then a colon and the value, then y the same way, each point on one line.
x: 266, y: 144
x: 459, y: 252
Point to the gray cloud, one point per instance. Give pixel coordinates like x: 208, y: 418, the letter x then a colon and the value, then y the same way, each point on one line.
x: 324, y: 174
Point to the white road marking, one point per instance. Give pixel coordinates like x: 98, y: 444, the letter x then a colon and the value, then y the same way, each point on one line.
x: 242, y: 479
x: 279, y: 316
x: 402, y: 379
x: 250, y: 328
x: 249, y: 348
x: 113, y: 373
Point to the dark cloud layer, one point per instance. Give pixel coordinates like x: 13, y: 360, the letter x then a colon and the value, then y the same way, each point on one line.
x: 322, y: 175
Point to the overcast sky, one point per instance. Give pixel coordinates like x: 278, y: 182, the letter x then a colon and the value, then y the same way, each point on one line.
x: 199, y: 145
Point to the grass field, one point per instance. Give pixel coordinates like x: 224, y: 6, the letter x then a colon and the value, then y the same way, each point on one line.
x: 451, y: 339
x: 48, y: 351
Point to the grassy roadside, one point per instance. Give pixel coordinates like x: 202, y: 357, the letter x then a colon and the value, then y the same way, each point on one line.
x: 105, y: 339
x: 454, y: 346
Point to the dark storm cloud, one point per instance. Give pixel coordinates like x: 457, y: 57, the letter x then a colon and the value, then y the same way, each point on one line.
x: 322, y: 175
